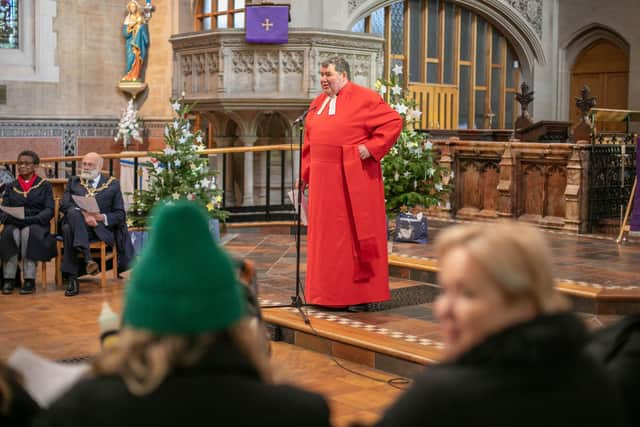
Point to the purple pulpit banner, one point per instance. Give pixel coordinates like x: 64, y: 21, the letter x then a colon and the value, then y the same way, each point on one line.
x: 267, y: 24
x: 635, y: 214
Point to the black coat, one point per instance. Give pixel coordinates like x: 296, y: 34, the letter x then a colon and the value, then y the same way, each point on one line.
x: 222, y: 390
x: 618, y: 348
x: 534, y: 374
x: 108, y: 196
x: 38, y: 210
x: 22, y: 410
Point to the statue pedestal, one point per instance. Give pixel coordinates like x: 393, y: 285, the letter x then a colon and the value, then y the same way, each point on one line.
x: 132, y: 88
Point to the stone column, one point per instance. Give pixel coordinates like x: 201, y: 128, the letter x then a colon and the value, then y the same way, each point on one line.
x: 247, y: 197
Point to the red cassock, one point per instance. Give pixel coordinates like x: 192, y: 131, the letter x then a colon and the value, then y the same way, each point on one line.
x: 347, y: 240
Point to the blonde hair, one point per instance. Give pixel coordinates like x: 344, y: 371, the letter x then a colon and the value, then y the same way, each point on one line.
x: 515, y: 256
x: 144, y: 360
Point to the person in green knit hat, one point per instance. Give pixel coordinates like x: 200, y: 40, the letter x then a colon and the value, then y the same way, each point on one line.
x: 186, y: 352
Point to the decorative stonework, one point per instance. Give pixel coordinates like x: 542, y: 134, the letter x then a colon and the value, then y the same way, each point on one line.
x: 531, y: 10
x: 267, y: 62
x: 56, y: 129
x: 242, y: 62
x: 221, y: 70
x: 200, y: 63
x: 69, y: 142
x: 186, y: 65
x: 353, y: 5
x: 212, y: 61
x: 292, y: 61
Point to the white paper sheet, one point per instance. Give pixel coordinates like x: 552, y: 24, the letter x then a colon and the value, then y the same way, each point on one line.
x: 293, y: 196
x: 16, y: 212
x: 44, y: 379
x: 88, y: 204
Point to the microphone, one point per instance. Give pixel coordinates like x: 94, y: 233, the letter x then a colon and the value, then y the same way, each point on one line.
x: 303, y: 116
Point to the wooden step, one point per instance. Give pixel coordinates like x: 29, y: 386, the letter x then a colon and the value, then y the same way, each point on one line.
x: 586, y: 297
x: 358, y: 341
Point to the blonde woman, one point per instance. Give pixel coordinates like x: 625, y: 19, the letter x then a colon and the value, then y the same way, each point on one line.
x: 187, y: 354
x: 512, y: 350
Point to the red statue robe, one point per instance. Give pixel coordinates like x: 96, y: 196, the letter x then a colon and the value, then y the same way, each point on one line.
x: 347, y: 239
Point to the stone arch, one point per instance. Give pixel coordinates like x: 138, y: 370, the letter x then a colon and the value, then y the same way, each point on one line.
x: 272, y: 124
x: 568, y: 54
x: 272, y: 128
x: 503, y: 17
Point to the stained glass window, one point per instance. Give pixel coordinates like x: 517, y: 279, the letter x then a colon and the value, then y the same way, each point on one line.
x: 359, y: 27
x: 397, y: 28
x: 9, y: 24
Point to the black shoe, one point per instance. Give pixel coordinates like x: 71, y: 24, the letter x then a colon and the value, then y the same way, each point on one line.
x: 358, y: 308
x: 28, y: 287
x: 92, y: 267
x: 72, y: 288
x: 7, y: 286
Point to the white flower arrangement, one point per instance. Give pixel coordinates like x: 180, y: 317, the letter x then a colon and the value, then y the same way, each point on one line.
x: 130, y: 126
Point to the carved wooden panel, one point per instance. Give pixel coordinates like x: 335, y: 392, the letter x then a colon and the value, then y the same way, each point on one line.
x: 532, y: 190
x: 542, y: 190
x: 469, y: 182
x: 556, y: 184
x: 491, y: 177
x: 478, y: 185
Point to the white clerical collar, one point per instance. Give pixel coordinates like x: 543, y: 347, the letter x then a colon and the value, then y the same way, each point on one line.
x: 331, y: 100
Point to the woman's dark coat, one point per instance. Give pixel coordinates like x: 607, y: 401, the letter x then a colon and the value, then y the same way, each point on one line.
x: 617, y: 348
x: 222, y: 390
x: 38, y: 210
x: 533, y: 374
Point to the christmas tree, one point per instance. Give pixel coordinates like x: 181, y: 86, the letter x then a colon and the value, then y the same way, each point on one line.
x: 177, y: 172
x: 411, y: 173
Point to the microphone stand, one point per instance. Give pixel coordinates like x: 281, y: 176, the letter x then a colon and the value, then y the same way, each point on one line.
x: 296, y: 300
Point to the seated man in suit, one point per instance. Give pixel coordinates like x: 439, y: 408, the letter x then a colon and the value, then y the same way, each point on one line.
x: 79, y: 227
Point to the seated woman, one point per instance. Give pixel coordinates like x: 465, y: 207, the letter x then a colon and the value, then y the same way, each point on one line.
x: 186, y: 352
x: 29, y: 237
x: 617, y: 348
x: 17, y: 407
x: 513, y: 354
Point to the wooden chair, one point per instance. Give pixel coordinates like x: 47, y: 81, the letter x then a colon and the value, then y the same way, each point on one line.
x: 100, y: 246
x: 43, y: 267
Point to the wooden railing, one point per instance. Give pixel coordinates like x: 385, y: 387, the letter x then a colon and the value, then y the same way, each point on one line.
x: 278, y: 207
x: 438, y: 103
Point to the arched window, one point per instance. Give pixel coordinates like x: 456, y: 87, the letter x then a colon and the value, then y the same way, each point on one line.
x: 9, y: 21
x: 460, y: 69
x: 214, y: 14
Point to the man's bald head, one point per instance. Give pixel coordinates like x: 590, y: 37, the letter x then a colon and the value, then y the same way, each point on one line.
x: 91, y: 165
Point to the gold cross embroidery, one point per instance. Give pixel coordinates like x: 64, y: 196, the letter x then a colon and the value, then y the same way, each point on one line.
x: 267, y: 24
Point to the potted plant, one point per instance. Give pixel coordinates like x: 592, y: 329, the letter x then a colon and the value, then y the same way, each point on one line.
x: 177, y: 172
x: 413, y: 179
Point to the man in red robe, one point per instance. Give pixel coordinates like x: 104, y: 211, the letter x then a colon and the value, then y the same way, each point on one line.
x: 348, y: 130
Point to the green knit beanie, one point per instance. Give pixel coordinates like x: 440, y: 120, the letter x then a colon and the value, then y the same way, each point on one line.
x: 183, y: 283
